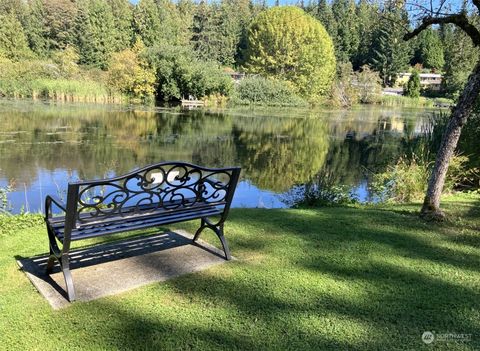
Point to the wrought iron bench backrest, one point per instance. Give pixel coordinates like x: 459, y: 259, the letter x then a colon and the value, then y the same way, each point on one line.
x: 168, y: 186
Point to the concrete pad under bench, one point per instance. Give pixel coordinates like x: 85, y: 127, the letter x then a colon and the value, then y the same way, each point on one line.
x: 119, y: 266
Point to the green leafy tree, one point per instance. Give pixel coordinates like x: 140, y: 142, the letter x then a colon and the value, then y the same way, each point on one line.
x: 57, y: 23
x: 95, y: 33
x: 13, y: 41
x: 147, y: 22
x: 181, y: 75
x: 67, y: 61
x: 412, y: 89
x: 347, y: 38
x: 286, y: 43
x: 129, y: 73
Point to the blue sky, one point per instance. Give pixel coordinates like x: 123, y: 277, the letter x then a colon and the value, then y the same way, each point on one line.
x: 454, y: 3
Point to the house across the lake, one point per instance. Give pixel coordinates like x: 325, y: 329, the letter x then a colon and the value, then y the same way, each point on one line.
x: 236, y: 76
x: 428, y: 81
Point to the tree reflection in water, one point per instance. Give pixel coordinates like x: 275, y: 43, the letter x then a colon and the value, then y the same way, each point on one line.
x: 43, y: 146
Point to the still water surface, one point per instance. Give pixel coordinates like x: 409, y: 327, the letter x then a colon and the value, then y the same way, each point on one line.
x: 45, y: 145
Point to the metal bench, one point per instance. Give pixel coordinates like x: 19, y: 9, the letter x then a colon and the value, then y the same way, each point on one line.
x: 163, y: 193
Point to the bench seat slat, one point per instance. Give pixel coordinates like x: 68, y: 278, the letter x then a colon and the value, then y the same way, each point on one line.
x: 129, y: 212
x: 134, y: 223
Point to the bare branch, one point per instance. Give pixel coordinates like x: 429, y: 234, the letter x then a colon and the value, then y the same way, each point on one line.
x: 477, y: 4
x: 426, y: 12
x: 460, y: 20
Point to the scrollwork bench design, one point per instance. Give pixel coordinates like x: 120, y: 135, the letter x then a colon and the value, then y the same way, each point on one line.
x: 159, y: 194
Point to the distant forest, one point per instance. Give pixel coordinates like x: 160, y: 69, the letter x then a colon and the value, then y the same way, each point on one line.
x: 145, y: 50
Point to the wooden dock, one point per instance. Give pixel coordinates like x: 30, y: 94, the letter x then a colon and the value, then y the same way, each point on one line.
x: 192, y: 103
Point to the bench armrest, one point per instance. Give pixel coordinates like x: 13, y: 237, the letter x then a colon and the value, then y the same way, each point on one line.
x: 49, y: 199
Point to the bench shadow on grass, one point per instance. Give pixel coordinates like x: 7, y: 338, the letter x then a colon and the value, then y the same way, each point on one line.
x: 109, y: 251
x: 401, y: 303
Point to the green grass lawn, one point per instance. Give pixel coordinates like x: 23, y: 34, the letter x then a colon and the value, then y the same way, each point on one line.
x: 335, y: 278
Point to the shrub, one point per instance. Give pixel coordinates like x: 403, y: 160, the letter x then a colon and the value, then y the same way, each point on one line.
x: 262, y: 91
x: 412, y: 88
x: 368, y: 85
x: 343, y: 91
x: 407, y: 180
x: 67, y: 62
x: 10, y: 225
x: 461, y: 175
x: 5, y: 206
x: 179, y: 74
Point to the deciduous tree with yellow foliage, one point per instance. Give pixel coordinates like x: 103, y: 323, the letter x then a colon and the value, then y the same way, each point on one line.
x: 286, y: 43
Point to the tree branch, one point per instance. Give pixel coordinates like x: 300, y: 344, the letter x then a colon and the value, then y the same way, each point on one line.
x: 477, y: 4
x: 460, y: 20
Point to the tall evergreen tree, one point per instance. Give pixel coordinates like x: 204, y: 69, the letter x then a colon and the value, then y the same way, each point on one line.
x: 234, y: 16
x: 172, y: 31
x: 13, y: 7
x: 147, y: 22
x: 205, y: 37
x: 95, y: 32
x: 13, y: 41
x: 186, y: 10
x: 347, y: 38
x: 460, y: 58
x: 122, y: 12
x: 413, y: 85
x: 368, y: 19
x: 430, y: 50
x: 390, y: 53
x: 325, y: 15
x: 36, y: 29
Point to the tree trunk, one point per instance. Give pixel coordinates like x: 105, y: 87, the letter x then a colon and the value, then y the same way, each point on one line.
x: 460, y: 114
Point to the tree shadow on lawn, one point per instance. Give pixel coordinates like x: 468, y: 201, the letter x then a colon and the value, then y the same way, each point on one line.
x: 335, y: 226
x: 393, y: 301
x: 260, y: 320
x: 137, y: 331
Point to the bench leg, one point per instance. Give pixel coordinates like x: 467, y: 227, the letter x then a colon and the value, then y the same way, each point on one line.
x: 50, y: 263
x: 223, y: 240
x: 203, y: 225
x: 51, y: 257
x: 65, y: 264
x: 219, y: 231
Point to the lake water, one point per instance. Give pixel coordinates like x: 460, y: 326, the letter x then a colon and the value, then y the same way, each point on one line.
x: 45, y: 145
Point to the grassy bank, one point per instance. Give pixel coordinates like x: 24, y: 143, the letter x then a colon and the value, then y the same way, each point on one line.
x: 64, y: 90
x: 404, y: 101
x: 337, y: 278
